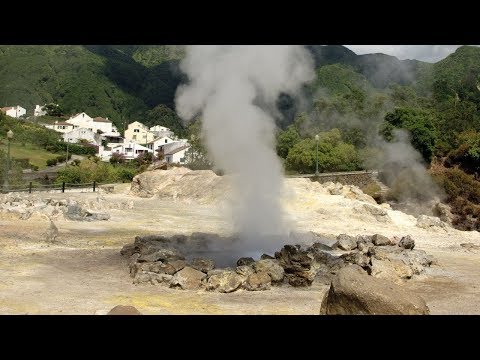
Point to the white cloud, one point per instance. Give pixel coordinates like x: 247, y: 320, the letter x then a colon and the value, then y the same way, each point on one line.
x: 430, y: 53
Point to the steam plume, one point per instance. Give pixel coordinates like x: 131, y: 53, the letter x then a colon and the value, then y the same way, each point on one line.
x: 227, y: 85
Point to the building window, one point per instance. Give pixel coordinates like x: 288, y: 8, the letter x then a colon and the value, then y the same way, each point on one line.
x: 136, y: 130
x: 166, y: 141
x: 182, y: 160
x: 134, y: 137
x: 128, y: 149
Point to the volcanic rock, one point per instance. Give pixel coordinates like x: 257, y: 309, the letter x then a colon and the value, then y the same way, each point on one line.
x: 299, y: 265
x: 225, y: 281
x: 258, y: 281
x: 430, y: 222
x: 128, y: 250
x: 346, y: 242
x: 391, y: 269
x: 407, y: 242
x: 357, y: 258
x: 124, y: 310
x: 380, y: 240
x: 151, y: 277
x: 244, y: 270
x: 245, y: 261
x: 177, y: 264
x: 161, y: 255
x: 203, y: 265
x: 188, y: 279
x: 271, y: 267
x: 353, y: 292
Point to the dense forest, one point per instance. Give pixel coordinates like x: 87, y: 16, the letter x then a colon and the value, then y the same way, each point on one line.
x: 370, y: 111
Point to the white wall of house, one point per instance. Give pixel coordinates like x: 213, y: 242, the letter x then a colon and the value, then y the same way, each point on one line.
x: 105, y: 125
x: 130, y: 150
x: 81, y: 120
x: 159, y: 142
x: 63, y: 127
x: 39, y: 111
x: 105, y: 154
x: 76, y: 135
x: 16, y: 111
x: 139, y: 133
x: 176, y: 156
x: 159, y: 128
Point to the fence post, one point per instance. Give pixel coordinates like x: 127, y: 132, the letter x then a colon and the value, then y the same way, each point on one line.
x: 63, y: 187
x: 30, y: 188
x: 94, y: 184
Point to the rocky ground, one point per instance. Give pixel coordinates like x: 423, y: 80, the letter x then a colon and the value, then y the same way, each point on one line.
x: 60, y: 253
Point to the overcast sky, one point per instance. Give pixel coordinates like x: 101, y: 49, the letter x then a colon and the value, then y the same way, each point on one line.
x: 430, y: 53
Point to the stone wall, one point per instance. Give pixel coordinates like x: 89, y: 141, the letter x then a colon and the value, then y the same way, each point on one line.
x: 358, y: 178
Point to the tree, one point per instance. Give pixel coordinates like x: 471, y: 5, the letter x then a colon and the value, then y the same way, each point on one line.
x: 333, y: 154
x: 163, y: 115
x: 53, y: 109
x: 467, y: 153
x: 145, y: 158
x: 286, y: 140
x: 420, y: 124
x: 117, y: 158
x: 456, y: 119
x: 197, y: 154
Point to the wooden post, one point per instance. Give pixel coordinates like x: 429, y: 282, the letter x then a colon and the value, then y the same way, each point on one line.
x: 94, y: 184
x: 63, y: 187
x: 30, y: 188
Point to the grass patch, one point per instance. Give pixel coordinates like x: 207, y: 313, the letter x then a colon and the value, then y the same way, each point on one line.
x: 37, y: 155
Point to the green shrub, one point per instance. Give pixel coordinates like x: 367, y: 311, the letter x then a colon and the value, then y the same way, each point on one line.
x: 90, y: 170
x: 52, y: 162
x: 333, y: 154
x: 463, y: 196
x: 125, y: 174
x: 23, y: 163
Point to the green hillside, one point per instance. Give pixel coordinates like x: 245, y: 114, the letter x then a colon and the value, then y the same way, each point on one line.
x: 138, y: 82
x: 101, y: 80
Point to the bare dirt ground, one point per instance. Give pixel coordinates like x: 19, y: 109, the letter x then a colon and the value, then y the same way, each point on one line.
x: 83, y: 273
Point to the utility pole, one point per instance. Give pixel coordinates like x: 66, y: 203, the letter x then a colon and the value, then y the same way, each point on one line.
x: 66, y: 161
x: 5, y: 182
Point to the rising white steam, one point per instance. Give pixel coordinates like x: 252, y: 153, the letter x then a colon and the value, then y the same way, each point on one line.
x: 235, y: 89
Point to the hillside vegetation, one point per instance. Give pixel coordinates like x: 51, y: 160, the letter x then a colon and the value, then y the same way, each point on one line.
x: 360, y: 105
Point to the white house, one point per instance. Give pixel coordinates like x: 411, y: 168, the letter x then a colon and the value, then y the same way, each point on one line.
x: 177, y: 155
x: 159, y: 143
x: 160, y: 131
x: 159, y: 128
x: 129, y: 150
x: 39, y: 111
x: 61, y: 126
x: 14, y: 111
x: 82, y: 120
x: 76, y: 135
x: 104, y: 125
x: 139, y: 133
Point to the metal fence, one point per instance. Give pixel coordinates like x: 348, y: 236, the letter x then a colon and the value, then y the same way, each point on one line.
x: 62, y: 187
